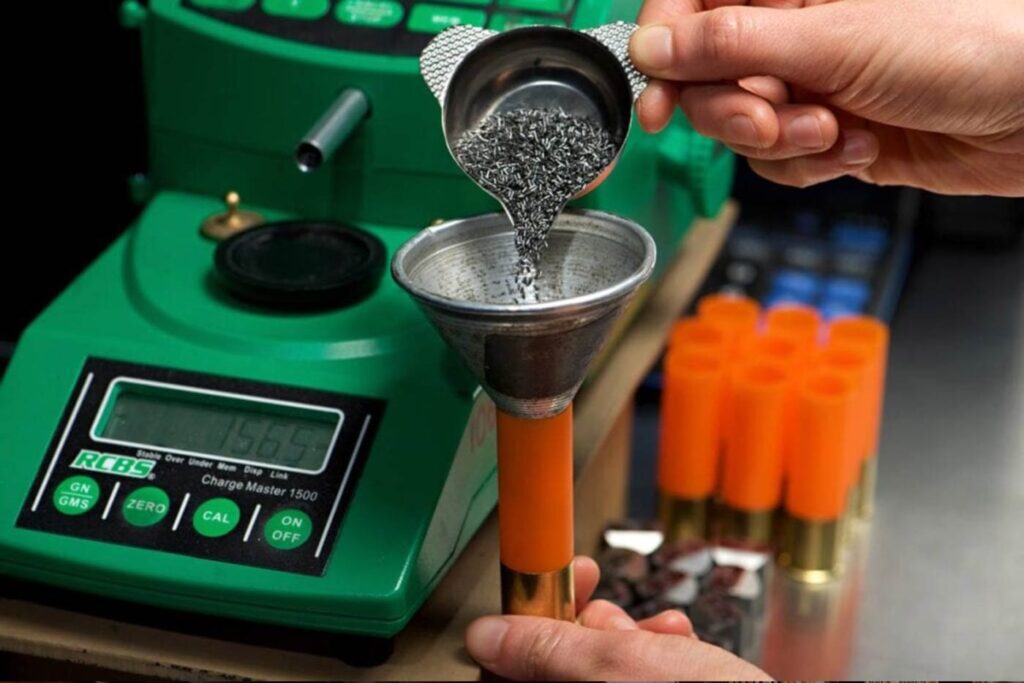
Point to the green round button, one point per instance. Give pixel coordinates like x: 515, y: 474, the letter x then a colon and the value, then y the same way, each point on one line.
x: 288, y: 529
x: 145, y: 506
x: 375, y: 13
x: 76, y: 495
x: 297, y: 9
x: 216, y: 517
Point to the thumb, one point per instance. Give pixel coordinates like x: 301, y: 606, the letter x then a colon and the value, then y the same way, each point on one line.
x: 819, y: 47
x: 532, y: 648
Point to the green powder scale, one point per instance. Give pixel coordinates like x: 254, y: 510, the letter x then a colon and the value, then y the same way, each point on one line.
x: 179, y: 436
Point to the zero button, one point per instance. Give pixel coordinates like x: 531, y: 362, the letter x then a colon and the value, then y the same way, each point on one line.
x: 145, y: 506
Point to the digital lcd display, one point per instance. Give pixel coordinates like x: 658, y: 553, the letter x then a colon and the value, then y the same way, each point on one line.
x: 228, y: 427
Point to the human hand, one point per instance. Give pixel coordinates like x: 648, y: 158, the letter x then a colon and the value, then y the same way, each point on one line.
x: 928, y: 93
x: 605, y: 643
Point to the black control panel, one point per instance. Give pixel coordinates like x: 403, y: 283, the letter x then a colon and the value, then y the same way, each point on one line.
x: 213, y: 467
x: 393, y: 27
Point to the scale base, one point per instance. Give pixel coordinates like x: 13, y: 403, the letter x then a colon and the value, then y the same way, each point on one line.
x: 354, y: 650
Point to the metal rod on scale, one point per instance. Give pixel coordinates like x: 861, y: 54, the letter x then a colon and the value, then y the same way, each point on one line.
x: 331, y: 130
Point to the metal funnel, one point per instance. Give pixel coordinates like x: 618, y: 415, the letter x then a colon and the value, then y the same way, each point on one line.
x: 530, y: 357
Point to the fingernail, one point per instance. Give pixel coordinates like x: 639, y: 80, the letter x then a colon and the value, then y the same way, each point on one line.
x: 484, y: 638
x: 652, y: 47
x: 857, y: 150
x: 805, y: 131
x: 740, y: 130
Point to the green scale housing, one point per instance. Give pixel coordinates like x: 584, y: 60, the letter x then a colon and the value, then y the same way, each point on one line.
x: 165, y: 443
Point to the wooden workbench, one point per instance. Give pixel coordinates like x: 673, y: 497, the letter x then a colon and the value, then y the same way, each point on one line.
x: 431, y: 646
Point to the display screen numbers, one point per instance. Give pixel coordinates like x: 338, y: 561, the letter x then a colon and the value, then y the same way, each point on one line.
x: 225, y: 426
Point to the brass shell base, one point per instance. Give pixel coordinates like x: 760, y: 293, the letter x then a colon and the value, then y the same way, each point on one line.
x: 810, y: 551
x: 866, y: 491
x: 684, y: 518
x: 538, y: 595
x: 756, y: 527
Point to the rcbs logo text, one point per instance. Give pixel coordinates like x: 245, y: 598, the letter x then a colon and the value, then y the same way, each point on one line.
x: 121, y: 465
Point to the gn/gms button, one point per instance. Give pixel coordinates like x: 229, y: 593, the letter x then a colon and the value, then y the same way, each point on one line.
x: 76, y: 495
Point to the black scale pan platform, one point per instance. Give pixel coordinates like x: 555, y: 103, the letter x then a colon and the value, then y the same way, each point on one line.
x: 301, y: 264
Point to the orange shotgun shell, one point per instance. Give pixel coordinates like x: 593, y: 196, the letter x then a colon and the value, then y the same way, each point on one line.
x: 799, y: 321
x: 535, y: 516
x: 776, y: 347
x: 752, y: 475
x: 786, y: 350
x: 736, y: 316
x: 854, y: 363
x: 694, y: 334
x: 873, y: 336
x: 691, y: 414
x: 817, y: 479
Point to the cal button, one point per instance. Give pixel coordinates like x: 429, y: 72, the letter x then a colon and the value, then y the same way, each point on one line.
x: 216, y: 517
x: 288, y: 529
x: 76, y: 495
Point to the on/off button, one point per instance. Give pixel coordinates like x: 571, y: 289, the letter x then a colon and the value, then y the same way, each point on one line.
x: 288, y: 529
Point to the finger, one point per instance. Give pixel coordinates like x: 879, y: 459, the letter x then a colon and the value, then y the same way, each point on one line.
x: 670, y: 622
x: 804, y: 129
x: 943, y: 164
x: 660, y: 10
x: 531, y: 648
x: 770, y: 88
x: 1006, y: 142
x: 854, y: 153
x: 603, y: 615
x: 730, y: 114
x: 656, y: 105
x: 586, y: 574
x: 788, y: 4
x: 809, y: 46
x: 663, y: 10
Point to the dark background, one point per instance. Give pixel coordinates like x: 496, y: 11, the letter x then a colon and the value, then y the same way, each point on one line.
x: 78, y: 132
